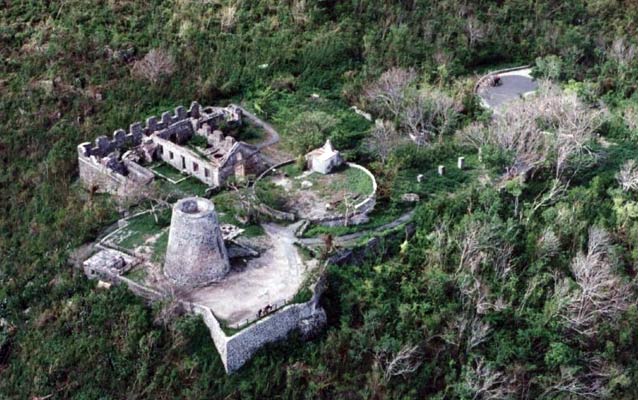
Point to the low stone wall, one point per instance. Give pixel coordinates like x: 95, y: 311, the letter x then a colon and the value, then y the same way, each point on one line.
x: 361, y: 210
x: 359, y: 216
x: 265, y: 209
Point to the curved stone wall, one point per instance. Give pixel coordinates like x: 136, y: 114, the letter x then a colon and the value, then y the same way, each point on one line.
x: 360, y: 214
x: 196, y: 254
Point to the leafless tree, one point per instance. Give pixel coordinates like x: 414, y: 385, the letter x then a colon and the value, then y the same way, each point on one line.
x: 404, y: 362
x: 475, y: 30
x: 600, y: 293
x: 587, y: 383
x: 628, y: 176
x: 388, y: 92
x: 630, y: 116
x: 622, y: 52
x: 383, y: 139
x: 547, y: 126
x: 155, y: 65
x: 485, y: 383
x: 228, y: 17
x: 428, y: 113
x: 548, y: 243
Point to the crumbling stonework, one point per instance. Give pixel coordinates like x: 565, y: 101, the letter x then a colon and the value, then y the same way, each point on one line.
x: 196, y: 254
x: 115, y: 165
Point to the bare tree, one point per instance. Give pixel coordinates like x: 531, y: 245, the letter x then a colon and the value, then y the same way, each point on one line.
x: 630, y: 116
x: 155, y: 65
x: 428, y: 113
x: 622, y: 52
x: 550, y: 126
x: 388, y: 92
x: 383, y: 139
x: 475, y: 30
x: 628, y: 176
x: 600, y: 293
x: 228, y: 17
x: 485, y: 383
x: 587, y: 383
x: 404, y: 362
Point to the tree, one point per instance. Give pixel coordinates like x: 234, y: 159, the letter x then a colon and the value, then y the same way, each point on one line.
x: 155, y: 65
x: 549, y: 128
x: 388, y: 93
x: 628, y: 176
x: 383, y: 139
x: 428, y: 113
x: 309, y: 130
x: 600, y: 293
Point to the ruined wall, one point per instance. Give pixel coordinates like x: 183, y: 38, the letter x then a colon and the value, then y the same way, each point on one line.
x: 242, y: 160
x: 242, y: 346
x: 196, y: 254
x: 184, y: 159
x: 94, y: 174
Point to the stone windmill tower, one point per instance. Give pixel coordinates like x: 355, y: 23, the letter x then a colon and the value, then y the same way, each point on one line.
x: 196, y: 254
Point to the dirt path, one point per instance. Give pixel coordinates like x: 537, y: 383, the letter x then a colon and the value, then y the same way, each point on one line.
x: 273, y: 135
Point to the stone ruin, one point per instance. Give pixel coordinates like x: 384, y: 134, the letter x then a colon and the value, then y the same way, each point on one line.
x: 196, y: 254
x: 197, y: 262
x: 117, y: 165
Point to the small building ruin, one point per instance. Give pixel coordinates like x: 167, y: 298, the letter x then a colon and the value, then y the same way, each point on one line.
x: 325, y: 159
x: 119, y: 165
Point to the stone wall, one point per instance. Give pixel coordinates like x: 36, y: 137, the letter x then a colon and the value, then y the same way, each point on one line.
x: 184, y: 159
x: 243, y: 345
x: 177, y: 126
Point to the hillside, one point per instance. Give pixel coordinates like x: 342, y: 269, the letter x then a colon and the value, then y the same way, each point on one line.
x: 519, y: 280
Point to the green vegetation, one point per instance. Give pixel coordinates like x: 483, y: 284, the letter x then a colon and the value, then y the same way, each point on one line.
x: 289, y: 187
x: 484, y: 301
x: 168, y: 171
x: 137, y: 274
x: 140, y: 229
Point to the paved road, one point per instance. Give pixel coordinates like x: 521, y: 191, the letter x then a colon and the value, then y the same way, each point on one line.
x: 514, y: 83
x: 351, y: 239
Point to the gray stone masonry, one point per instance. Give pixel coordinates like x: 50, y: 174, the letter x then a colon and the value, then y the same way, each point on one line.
x: 196, y: 254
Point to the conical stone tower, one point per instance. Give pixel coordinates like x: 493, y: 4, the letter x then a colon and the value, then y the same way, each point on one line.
x: 196, y: 254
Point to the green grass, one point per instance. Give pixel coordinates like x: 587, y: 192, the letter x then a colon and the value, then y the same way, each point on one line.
x: 137, y: 274
x: 186, y: 188
x: 381, y: 215
x: 140, y: 228
x: 159, y: 248
x: 348, y: 181
x: 432, y: 183
x: 168, y: 171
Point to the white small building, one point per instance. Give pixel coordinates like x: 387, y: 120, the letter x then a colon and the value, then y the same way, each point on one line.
x: 324, y: 159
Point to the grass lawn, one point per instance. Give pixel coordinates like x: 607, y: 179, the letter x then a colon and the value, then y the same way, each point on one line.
x: 167, y: 170
x: 140, y: 228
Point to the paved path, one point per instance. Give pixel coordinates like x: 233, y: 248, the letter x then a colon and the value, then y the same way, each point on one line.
x: 514, y: 84
x: 351, y: 239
